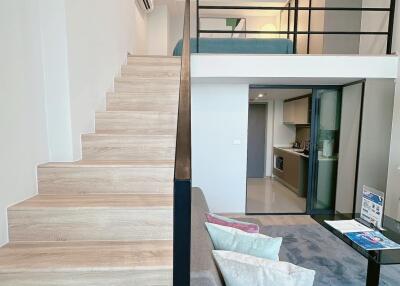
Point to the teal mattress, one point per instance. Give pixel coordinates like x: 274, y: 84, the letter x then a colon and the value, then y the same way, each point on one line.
x: 238, y: 46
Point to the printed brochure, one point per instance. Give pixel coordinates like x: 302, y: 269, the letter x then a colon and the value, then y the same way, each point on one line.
x: 372, y: 240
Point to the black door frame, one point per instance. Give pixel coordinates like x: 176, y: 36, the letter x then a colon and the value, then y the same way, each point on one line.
x: 313, y: 159
x: 309, y: 210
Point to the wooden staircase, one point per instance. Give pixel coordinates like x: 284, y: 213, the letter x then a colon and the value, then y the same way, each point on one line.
x: 107, y: 219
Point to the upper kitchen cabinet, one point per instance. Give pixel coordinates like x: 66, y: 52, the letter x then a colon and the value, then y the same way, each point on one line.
x: 289, y: 112
x: 297, y: 111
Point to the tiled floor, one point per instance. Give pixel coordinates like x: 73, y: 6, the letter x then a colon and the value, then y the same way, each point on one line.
x: 266, y: 195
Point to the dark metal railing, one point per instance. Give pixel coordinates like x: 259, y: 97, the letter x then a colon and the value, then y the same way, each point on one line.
x: 183, y: 167
x: 295, y: 32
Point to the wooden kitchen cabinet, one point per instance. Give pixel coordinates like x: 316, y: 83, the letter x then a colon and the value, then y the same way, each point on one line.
x: 296, y: 111
x: 301, y: 111
x: 289, y: 112
x: 295, y: 171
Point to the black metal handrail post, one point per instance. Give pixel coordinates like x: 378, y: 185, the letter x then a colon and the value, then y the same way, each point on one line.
x: 295, y: 27
x: 288, y: 21
x: 390, y: 28
x: 183, y: 167
x: 309, y: 26
x: 197, y: 26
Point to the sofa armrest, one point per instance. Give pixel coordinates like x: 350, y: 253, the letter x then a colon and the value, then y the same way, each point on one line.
x: 204, y: 271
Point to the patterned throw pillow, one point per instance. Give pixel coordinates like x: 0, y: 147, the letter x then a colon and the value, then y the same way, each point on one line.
x: 221, y: 220
x: 244, y: 270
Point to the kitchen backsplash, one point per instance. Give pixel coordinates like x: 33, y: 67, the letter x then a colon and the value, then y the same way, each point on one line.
x: 303, y: 134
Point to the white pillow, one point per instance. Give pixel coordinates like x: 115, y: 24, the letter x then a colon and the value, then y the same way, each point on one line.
x: 232, y: 239
x: 244, y: 270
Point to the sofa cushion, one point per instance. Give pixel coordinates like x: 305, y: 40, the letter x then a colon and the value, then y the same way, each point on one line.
x: 232, y: 239
x: 243, y: 270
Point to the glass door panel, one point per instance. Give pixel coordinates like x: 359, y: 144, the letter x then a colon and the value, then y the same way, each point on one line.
x: 325, y: 131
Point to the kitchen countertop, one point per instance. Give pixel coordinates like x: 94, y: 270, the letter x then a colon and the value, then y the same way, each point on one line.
x: 293, y: 151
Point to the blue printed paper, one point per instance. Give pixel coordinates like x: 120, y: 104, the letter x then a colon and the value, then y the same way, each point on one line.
x: 372, y: 240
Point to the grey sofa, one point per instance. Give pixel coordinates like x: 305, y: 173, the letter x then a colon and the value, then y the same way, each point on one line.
x: 204, y: 271
x: 310, y: 246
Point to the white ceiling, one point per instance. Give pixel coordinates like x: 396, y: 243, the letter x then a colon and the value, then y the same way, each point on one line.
x: 275, y: 93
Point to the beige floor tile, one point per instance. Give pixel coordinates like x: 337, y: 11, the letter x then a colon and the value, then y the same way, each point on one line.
x: 266, y: 195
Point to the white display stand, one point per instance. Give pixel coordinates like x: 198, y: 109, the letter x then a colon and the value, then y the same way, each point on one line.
x: 372, y: 206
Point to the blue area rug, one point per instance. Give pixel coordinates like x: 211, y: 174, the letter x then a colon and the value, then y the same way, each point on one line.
x: 335, y: 262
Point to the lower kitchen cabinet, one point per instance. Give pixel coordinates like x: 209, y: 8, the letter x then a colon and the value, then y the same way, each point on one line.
x: 293, y: 170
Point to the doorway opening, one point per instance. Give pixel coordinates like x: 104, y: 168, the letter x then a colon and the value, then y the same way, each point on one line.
x: 278, y: 143
x: 293, y: 149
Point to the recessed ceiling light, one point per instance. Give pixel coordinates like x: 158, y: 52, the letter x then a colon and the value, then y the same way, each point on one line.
x: 261, y: 95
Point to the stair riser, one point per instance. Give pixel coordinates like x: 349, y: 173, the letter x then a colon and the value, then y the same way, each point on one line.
x: 128, y: 148
x: 150, y: 72
x: 136, y: 123
x: 138, y: 86
x: 72, y: 224
x: 85, y: 180
x: 149, y: 81
x: 155, y: 62
x: 139, y: 102
x: 158, y: 277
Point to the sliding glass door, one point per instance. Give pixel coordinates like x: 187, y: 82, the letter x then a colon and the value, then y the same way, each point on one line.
x: 325, y: 131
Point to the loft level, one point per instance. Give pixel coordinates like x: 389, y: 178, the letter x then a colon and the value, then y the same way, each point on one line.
x: 309, y: 27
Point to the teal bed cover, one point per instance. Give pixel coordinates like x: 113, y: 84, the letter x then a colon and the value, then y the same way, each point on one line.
x: 238, y: 46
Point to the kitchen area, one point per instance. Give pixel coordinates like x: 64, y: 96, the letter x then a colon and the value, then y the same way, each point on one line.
x: 285, y: 186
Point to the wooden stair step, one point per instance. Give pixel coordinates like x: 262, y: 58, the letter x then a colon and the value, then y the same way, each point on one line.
x: 137, y: 122
x: 144, y: 101
x: 139, y: 85
x: 92, y: 217
x: 93, y: 177
x: 146, y: 71
x: 154, y: 60
x: 100, y: 263
x: 128, y: 147
x: 149, y: 81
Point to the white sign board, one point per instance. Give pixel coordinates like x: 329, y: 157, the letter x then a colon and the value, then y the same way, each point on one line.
x: 372, y: 206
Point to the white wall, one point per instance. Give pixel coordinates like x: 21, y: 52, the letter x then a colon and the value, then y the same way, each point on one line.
x: 58, y: 59
x: 349, y: 129
x: 393, y: 182
x: 56, y: 81
x: 176, y: 12
x: 219, y: 144
x: 24, y: 141
x: 374, y: 21
x: 396, y: 31
x: 375, y: 135
x: 342, y: 21
x: 284, y: 135
x: 269, y: 140
x: 260, y: 23
x: 158, y: 31
x: 98, y: 42
x: 317, y: 24
x: 139, y: 31
x: 278, y: 134
x: 392, y: 208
